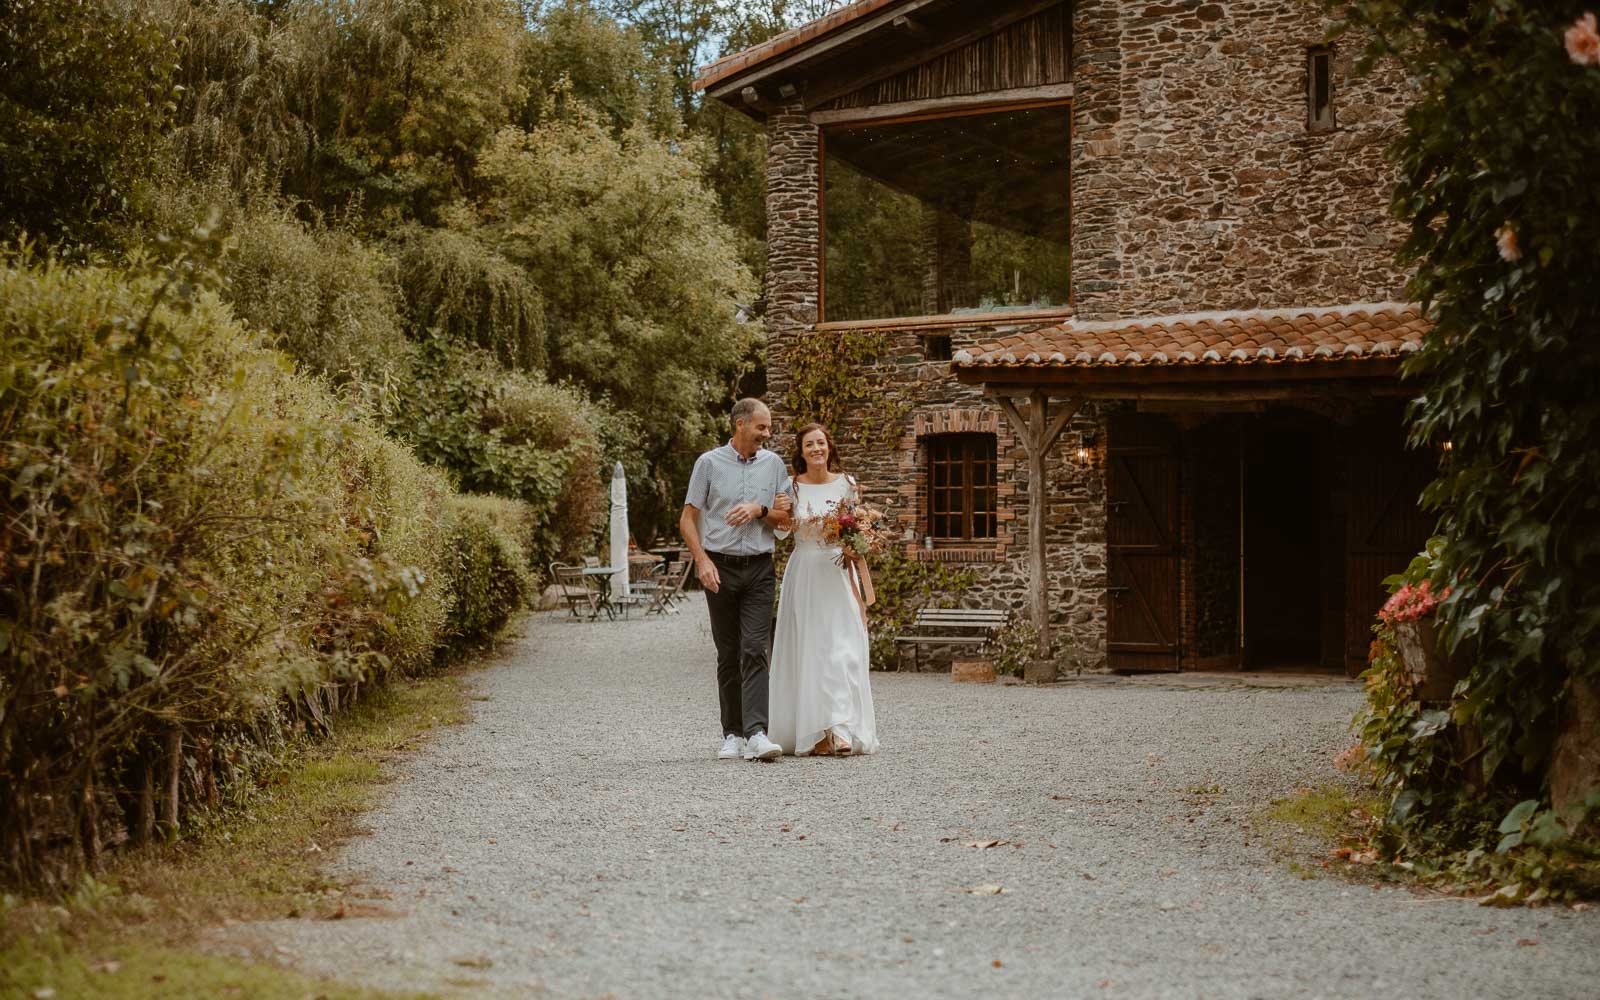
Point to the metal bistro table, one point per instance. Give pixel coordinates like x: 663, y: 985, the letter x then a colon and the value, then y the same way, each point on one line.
x: 603, y: 601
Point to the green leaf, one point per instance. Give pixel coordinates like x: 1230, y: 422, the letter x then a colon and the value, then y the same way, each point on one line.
x: 1518, y: 816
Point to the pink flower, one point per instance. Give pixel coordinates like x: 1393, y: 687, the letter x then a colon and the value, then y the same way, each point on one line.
x: 1583, y: 41
x: 1506, y: 239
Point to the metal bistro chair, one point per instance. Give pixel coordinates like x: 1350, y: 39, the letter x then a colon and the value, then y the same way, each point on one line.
x: 670, y: 588
x: 576, y: 589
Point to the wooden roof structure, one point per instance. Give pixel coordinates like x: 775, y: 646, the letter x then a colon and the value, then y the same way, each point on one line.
x: 844, y: 58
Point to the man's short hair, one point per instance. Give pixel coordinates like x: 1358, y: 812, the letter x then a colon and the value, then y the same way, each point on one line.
x: 744, y: 409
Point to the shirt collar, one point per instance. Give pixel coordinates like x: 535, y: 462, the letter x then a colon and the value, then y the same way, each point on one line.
x: 740, y: 458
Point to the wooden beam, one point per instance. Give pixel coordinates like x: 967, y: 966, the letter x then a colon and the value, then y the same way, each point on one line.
x: 1010, y: 99
x: 1039, y: 433
x: 911, y: 27
x: 876, y: 71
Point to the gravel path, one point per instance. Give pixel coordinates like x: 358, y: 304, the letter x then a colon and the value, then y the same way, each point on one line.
x: 579, y: 840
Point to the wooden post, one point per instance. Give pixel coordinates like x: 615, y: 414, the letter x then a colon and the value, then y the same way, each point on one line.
x: 1039, y: 432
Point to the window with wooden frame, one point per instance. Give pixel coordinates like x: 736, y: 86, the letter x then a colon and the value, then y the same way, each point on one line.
x: 1319, y: 88
x: 962, y: 499
x: 947, y: 215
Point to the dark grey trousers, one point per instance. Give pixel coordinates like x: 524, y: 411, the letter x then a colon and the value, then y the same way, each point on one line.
x: 741, y: 621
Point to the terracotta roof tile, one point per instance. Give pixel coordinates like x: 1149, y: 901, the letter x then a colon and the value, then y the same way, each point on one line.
x: 1317, y: 333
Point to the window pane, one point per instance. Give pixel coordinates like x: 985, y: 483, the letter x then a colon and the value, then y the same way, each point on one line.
x: 961, y: 494
x: 946, y: 215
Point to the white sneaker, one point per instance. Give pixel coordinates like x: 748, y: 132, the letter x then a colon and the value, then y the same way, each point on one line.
x: 732, y: 748
x: 758, y: 747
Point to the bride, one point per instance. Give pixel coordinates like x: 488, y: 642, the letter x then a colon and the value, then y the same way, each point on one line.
x: 821, y: 700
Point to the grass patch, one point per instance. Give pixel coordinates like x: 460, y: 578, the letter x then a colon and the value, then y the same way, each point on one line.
x: 130, y: 931
x: 1322, y: 828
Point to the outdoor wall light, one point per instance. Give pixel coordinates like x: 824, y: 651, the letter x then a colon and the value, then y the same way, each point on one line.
x: 1085, y: 449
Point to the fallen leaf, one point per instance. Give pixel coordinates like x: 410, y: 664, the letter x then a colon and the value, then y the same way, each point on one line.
x: 1506, y: 896
x: 984, y: 845
x: 997, y: 964
x: 493, y: 841
x: 677, y: 829
x: 109, y: 965
x: 984, y: 890
x: 473, y: 961
x: 1528, y: 942
x: 1060, y: 798
x: 1582, y: 907
x: 1342, y: 853
x: 43, y: 993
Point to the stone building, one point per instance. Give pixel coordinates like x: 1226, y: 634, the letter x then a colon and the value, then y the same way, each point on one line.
x: 1120, y: 277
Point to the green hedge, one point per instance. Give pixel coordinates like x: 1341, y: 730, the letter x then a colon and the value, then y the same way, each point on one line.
x: 202, y: 552
x: 487, y: 565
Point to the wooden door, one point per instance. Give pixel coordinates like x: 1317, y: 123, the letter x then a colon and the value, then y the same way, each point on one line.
x: 1142, y: 544
x: 1385, y: 525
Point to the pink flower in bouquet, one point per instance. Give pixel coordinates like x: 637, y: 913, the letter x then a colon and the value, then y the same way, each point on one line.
x: 1583, y: 41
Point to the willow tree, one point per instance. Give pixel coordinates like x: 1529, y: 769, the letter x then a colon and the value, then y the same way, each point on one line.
x: 641, y: 280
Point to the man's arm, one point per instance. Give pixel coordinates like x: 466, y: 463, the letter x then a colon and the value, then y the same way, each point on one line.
x: 704, y: 569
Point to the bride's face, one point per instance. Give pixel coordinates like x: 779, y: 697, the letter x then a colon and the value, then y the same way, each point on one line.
x: 815, y: 448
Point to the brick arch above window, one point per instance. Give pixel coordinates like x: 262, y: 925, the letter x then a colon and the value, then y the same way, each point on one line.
x: 956, y: 420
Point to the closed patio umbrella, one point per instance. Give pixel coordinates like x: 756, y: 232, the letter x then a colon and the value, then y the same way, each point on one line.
x: 619, y: 531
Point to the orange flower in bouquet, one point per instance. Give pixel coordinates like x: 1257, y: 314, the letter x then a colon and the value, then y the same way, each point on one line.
x: 854, y: 527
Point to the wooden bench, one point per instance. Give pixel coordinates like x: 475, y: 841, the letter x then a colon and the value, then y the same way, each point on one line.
x: 952, y: 626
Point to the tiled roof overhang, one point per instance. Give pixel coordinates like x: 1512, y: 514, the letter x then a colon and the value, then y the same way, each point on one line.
x: 1350, y: 341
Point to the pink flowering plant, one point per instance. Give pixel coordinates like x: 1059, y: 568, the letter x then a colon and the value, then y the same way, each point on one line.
x: 1412, y: 602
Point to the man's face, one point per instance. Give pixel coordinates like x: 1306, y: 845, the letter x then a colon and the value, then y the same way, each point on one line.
x: 754, y: 430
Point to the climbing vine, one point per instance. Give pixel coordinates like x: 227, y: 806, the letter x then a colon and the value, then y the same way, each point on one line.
x: 1504, y: 218
x: 831, y: 384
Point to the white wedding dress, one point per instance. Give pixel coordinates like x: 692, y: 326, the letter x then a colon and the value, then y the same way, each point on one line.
x: 818, y: 679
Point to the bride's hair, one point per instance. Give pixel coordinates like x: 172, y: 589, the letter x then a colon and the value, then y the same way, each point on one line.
x: 800, y: 454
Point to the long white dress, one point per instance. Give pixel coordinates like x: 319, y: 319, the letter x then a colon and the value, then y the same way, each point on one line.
x: 818, y: 680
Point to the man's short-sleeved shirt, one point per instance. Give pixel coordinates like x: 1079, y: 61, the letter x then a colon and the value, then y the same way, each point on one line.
x: 723, y: 479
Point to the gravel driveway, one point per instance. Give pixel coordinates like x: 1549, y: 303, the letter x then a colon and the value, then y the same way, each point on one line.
x: 578, y: 839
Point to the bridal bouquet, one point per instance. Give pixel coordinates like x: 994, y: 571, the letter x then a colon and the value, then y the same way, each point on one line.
x: 854, y: 528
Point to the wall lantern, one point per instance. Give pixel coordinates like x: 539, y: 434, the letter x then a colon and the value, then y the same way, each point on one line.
x: 1086, y: 449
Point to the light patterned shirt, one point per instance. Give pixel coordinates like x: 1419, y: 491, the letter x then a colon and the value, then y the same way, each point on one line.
x: 723, y: 479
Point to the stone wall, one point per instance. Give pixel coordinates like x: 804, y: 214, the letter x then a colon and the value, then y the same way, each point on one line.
x: 1196, y: 185
x: 1196, y: 182
x: 895, y: 475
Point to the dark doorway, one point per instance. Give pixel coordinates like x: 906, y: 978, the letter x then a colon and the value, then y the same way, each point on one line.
x: 1284, y: 504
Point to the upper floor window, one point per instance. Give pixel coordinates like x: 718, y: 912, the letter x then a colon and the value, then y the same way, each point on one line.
x: 962, y: 499
x: 951, y: 215
x: 1319, y: 88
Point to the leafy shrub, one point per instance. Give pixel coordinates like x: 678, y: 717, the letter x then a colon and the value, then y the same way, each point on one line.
x: 1504, y: 219
x: 487, y: 566
x: 85, y: 89
x: 509, y: 434
x: 319, y: 292
x: 202, y: 551
x: 1014, y: 646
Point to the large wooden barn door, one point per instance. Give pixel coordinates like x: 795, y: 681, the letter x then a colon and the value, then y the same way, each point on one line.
x: 1142, y: 544
x: 1385, y: 527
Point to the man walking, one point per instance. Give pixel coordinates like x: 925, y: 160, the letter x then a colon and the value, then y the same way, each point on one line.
x: 735, y: 502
